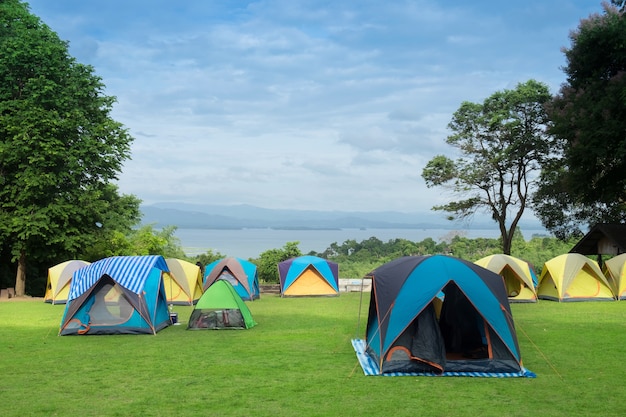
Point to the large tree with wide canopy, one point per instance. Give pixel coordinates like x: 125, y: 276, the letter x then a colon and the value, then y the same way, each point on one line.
x: 587, y: 183
x: 60, y: 149
x: 502, y: 144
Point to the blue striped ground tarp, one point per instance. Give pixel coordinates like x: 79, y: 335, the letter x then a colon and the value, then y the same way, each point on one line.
x: 129, y: 271
x: 370, y: 367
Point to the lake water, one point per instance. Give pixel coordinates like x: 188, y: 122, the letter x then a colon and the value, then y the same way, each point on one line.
x: 250, y: 243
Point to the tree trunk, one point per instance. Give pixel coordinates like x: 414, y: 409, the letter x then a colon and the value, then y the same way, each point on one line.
x: 507, y: 243
x: 507, y: 239
x: 20, y: 279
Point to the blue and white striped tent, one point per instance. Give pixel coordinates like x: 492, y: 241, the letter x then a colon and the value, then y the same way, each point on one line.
x: 117, y: 295
x: 410, y: 331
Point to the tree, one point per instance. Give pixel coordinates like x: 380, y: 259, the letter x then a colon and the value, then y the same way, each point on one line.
x: 620, y: 4
x: 502, y: 143
x: 117, y: 217
x: 206, y: 258
x: 59, y: 147
x: 586, y: 184
x: 147, y: 241
x: 269, y: 260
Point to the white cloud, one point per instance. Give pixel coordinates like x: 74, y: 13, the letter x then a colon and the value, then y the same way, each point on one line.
x: 303, y: 104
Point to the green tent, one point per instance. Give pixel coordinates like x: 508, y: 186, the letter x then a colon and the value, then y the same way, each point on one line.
x: 220, y: 307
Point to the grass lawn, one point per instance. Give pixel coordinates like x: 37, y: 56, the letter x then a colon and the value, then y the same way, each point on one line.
x: 298, y: 361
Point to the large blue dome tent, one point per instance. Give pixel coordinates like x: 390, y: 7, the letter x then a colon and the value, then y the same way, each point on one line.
x: 439, y: 315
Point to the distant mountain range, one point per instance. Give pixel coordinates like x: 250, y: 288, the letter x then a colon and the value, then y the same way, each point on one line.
x: 197, y: 216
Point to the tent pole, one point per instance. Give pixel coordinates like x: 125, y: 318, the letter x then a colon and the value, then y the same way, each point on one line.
x: 358, y: 322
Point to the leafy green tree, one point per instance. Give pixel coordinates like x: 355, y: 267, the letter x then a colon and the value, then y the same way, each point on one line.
x: 59, y: 146
x: 206, y: 258
x: 147, y: 241
x: 404, y: 247
x: 268, y: 261
x: 427, y: 246
x: 587, y: 183
x: 502, y: 143
x: 358, y: 263
x: 118, y: 215
x: 540, y: 249
x: 361, y: 269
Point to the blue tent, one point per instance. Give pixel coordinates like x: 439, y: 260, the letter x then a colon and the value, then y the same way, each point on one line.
x: 118, y: 295
x: 411, y: 331
x: 241, y: 274
x: 308, y: 275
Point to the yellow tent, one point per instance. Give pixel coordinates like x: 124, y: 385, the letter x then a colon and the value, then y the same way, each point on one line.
x: 573, y: 277
x: 183, y: 284
x: 517, y: 275
x: 59, y: 279
x: 615, y: 272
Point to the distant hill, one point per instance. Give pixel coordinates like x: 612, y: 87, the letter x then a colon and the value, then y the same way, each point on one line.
x: 197, y: 216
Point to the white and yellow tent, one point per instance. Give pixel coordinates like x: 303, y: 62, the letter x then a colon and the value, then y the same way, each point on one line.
x: 59, y: 280
x: 573, y: 277
x: 183, y: 283
x: 517, y: 275
x: 615, y: 271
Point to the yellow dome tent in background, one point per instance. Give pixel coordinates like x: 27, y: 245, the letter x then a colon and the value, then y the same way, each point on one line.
x: 59, y: 279
x: 517, y: 274
x: 183, y: 283
x: 573, y: 277
x: 615, y: 271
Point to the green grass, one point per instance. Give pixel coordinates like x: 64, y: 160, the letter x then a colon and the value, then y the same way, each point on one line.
x: 298, y: 361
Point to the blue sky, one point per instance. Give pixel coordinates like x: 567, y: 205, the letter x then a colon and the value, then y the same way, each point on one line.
x: 322, y: 105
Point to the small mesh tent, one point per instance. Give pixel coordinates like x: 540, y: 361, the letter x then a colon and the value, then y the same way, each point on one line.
x: 573, y: 277
x: 183, y: 282
x: 59, y: 280
x: 615, y: 271
x: 308, y: 276
x: 518, y: 276
x: 472, y: 335
x: 241, y: 274
x: 118, y: 295
x: 220, y: 307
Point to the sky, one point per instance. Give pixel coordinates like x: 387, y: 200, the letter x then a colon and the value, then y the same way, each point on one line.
x: 312, y: 105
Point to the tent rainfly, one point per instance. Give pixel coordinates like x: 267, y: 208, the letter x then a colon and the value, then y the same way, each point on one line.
x: 473, y: 333
x: 241, y: 274
x: 59, y: 280
x: 220, y: 307
x: 518, y: 276
x: 183, y: 282
x: 573, y: 277
x: 308, y: 276
x: 615, y: 271
x: 118, y: 295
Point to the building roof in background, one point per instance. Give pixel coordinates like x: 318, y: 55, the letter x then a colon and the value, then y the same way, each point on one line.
x: 602, y: 239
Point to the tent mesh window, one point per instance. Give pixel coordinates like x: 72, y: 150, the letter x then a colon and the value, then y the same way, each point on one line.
x: 226, y: 275
x: 217, y: 319
x: 110, y: 306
